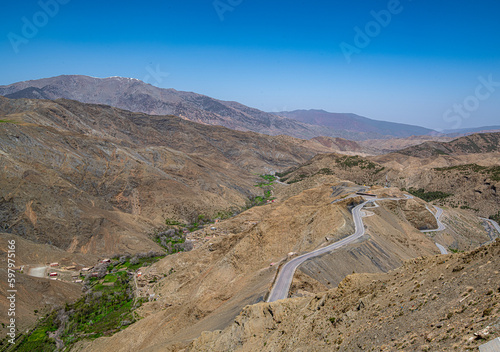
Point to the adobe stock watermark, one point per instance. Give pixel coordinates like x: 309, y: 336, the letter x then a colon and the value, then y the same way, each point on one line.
x: 11, y: 292
x: 223, y: 6
x: 30, y: 27
x: 363, y: 36
x: 460, y: 111
x: 156, y: 74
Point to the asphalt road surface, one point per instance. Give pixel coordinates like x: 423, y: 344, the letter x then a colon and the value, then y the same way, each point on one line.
x: 438, y: 214
x: 494, y: 223
x: 285, y: 276
x: 440, y: 227
x: 442, y: 249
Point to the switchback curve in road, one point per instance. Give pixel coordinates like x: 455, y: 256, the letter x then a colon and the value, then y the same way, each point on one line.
x: 494, y: 223
x: 442, y: 249
x: 438, y: 214
x: 440, y: 227
x: 285, y: 276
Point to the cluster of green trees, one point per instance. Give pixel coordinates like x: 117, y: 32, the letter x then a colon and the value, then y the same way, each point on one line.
x: 356, y: 160
x: 267, y: 186
x: 427, y: 196
x: 173, y: 240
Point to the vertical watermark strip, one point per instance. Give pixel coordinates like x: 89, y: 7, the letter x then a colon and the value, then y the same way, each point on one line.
x: 11, y: 291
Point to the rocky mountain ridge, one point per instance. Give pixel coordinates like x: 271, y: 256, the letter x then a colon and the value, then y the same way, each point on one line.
x: 135, y: 95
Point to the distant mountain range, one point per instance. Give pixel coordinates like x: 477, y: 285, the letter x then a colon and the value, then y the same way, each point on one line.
x: 353, y: 122
x: 135, y: 95
x: 465, y: 131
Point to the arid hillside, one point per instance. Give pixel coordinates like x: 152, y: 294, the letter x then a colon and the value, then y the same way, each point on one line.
x: 96, y: 179
x: 466, y: 176
x: 437, y: 303
x: 476, y: 143
x: 81, y: 181
x: 234, y: 265
x: 384, y: 146
x: 208, y: 286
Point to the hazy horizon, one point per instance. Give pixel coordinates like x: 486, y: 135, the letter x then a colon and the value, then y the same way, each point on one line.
x: 432, y: 65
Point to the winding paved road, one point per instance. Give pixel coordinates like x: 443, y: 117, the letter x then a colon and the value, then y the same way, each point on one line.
x: 494, y: 223
x: 440, y: 227
x: 438, y: 214
x: 285, y: 276
x: 442, y: 249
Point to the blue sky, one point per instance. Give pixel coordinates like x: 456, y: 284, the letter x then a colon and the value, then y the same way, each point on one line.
x: 422, y: 62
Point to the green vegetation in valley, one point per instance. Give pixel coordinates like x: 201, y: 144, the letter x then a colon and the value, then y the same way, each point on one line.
x: 268, y: 180
x: 35, y: 340
x: 173, y: 240
x: 267, y: 187
x: 107, y: 307
x: 198, y: 221
x: 427, y: 196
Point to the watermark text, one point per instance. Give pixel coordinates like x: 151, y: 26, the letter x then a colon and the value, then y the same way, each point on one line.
x: 363, y: 36
x: 11, y: 291
x: 31, y: 26
x: 463, y: 110
x: 223, y: 6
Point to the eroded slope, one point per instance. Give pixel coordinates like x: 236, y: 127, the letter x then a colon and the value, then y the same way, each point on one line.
x: 438, y: 303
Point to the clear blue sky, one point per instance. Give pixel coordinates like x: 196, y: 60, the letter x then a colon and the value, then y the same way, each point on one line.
x: 277, y: 55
